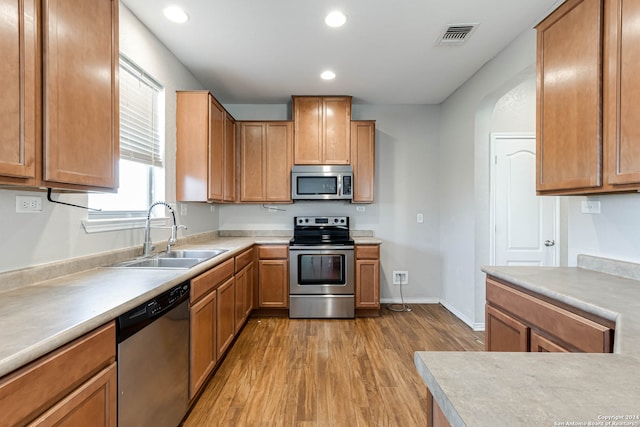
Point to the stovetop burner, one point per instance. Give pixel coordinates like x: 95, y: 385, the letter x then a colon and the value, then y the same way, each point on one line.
x: 321, y: 230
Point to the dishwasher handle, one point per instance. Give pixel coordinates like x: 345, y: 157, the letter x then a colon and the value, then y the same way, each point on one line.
x: 137, y: 318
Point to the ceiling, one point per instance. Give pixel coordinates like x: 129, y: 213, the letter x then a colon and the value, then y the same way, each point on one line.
x: 264, y: 51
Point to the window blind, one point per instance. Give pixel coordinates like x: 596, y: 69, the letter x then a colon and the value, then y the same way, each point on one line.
x: 140, y: 127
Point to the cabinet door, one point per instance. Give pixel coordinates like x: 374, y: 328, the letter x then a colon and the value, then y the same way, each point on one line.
x: 541, y: 344
x: 367, y: 283
x: 216, y: 150
x: 241, y: 286
x: 273, y: 286
x: 229, y: 159
x: 192, y: 146
x: 226, y: 306
x: 204, y: 353
x: 278, y: 159
x: 308, y: 121
x: 20, y: 87
x: 91, y: 404
x: 569, y: 101
x: 251, y: 162
x: 622, y: 90
x: 81, y: 121
x: 504, y: 333
x: 363, y: 159
x: 248, y: 295
x: 336, y: 131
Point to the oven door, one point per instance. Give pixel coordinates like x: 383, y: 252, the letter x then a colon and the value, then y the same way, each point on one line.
x: 321, y: 270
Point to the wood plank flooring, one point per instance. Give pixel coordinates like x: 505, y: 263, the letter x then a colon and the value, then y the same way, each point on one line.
x: 303, y: 372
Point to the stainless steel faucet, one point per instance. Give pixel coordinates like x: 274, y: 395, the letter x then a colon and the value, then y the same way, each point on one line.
x: 147, y: 246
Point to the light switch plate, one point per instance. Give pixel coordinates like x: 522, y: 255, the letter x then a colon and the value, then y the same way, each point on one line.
x: 590, y: 206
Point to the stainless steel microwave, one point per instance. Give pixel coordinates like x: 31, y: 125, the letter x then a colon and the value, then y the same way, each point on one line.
x: 321, y: 182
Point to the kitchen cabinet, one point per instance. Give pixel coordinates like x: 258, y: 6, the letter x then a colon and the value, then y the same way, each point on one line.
x: 363, y: 146
x: 74, y: 385
x: 322, y: 134
x: 203, y: 323
x: 367, y: 277
x: 20, y: 88
x: 273, y: 276
x: 80, y: 97
x: 266, y: 152
x: 435, y: 416
x: 69, y: 137
x: 205, y: 149
x: 518, y: 320
x: 244, y: 287
x: 226, y: 322
x: 621, y: 91
x: 588, y: 57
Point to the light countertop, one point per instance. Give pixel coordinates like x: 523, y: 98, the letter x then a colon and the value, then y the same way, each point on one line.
x: 42, y: 316
x: 549, y: 389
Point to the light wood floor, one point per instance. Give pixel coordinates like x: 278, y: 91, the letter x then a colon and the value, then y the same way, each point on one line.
x: 299, y: 372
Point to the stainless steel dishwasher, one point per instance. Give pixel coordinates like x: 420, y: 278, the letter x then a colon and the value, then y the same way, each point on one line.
x: 153, y: 361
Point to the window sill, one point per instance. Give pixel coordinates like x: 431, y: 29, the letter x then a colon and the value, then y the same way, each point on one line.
x: 118, y: 224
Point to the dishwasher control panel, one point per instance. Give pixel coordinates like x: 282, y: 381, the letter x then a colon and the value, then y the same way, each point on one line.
x: 136, y: 318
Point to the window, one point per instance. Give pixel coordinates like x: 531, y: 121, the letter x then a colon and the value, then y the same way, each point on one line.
x: 141, y: 164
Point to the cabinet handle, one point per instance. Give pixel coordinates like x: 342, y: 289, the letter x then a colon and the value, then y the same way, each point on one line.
x: 549, y: 242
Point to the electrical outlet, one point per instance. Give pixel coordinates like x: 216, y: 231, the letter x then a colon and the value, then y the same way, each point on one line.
x: 400, y: 278
x: 183, y: 209
x: 419, y: 218
x: 28, y: 204
x: 360, y: 209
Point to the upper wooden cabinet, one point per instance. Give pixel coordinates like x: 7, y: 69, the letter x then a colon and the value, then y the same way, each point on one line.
x: 266, y: 153
x: 363, y: 149
x: 569, y: 98
x: 81, y: 110
x: 588, y: 59
x: 621, y: 92
x: 322, y: 130
x: 20, y: 88
x: 205, y: 149
x: 78, y: 147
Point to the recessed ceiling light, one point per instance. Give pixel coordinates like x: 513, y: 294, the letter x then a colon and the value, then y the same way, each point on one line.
x: 328, y: 75
x: 176, y: 14
x: 335, y: 19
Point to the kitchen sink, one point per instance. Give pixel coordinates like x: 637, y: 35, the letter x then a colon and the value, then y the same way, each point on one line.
x: 192, y: 253
x: 178, y: 259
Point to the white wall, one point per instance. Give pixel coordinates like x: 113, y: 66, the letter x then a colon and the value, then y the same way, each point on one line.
x: 406, y: 183
x: 56, y: 233
x: 464, y: 175
x: 614, y: 233
x: 515, y: 111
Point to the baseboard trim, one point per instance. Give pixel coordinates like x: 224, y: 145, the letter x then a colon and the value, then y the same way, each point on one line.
x: 477, y: 327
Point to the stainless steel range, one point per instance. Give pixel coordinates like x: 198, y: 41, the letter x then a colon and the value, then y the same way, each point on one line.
x: 321, y: 283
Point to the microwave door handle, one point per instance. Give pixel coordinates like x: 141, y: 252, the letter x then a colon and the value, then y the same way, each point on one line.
x: 339, y: 185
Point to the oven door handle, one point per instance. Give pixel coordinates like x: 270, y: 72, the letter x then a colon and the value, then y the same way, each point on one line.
x: 320, y: 247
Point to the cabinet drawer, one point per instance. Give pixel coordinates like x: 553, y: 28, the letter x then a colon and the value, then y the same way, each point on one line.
x: 244, y: 259
x: 29, y: 391
x: 205, y: 282
x: 367, y: 252
x: 578, y: 332
x: 273, y: 252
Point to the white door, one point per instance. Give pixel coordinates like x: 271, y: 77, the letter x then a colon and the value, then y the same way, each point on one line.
x: 525, y: 225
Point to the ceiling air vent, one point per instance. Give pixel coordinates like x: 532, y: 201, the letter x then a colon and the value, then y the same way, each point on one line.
x: 456, y: 34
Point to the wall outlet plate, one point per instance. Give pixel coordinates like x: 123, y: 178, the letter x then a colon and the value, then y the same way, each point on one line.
x: 400, y: 278
x: 28, y: 204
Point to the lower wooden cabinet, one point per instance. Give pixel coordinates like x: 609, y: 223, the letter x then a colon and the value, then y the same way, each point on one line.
x: 367, y: 277
x: 435, y: 416
x: 203, y: 323
x: 244, y: 287
x: 226, y: 326
x: 75, y: 385
x: 273, y: 276
x: 517, y: 320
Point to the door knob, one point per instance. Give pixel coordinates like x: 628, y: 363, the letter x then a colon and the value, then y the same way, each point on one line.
x: 549, y: 242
